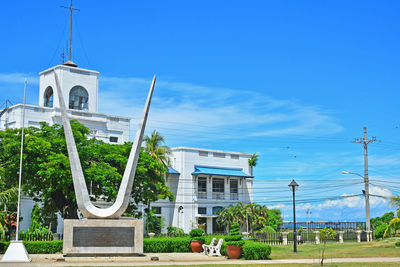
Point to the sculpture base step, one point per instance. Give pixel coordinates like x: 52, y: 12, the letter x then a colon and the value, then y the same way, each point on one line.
x: 103, y: 237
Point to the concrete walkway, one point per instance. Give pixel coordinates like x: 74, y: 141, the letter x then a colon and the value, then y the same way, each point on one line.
x: 170, y: 259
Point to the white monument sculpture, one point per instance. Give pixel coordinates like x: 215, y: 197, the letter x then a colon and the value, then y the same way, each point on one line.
x: 102, y: 232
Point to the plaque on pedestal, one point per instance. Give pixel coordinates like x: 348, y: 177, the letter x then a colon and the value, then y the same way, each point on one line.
x: 106, y: 237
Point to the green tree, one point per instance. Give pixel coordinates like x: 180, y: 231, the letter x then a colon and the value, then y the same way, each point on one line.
x: 253, y: 162
x: 325, y: 235
x: 252, y: 214
x: 394, y: 224
x: 386, y: 218
x: 275, y: 219
x: 46, y: 173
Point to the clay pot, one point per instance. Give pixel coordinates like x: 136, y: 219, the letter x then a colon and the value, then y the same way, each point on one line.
x: 234, y: 252
x: 196, y: 246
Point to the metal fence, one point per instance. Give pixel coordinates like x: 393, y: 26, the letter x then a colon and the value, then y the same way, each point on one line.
x: 270, y: 238
x: 304, y: 237
x: 318, y: 225
x: 35, y: 237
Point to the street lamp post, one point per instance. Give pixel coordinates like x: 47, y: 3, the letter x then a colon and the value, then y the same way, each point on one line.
x: 293, y: 186
x: 366, y: 194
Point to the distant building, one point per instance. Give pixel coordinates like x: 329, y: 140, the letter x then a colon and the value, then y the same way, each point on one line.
x: 203, y: 182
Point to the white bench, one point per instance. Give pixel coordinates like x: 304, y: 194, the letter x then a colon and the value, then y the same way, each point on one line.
x: 215, y: 250
x: 206, y: 248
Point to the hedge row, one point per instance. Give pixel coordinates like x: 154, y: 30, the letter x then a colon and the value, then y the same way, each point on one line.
x: 37, y: 247
x: 251, y: 250
x: 256, y: 251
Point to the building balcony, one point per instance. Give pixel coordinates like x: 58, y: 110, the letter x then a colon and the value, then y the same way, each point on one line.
x: 218, y: 195
x: 202, y: 195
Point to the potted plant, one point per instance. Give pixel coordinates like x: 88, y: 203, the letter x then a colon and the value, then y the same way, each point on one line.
x: 197, y: 239
x: 234, y: 242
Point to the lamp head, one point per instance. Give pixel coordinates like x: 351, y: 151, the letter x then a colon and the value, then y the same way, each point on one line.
x: 293, y: 185
x: 345, y: 172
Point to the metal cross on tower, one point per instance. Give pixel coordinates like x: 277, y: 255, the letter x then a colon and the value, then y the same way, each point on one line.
x: 71, y: 9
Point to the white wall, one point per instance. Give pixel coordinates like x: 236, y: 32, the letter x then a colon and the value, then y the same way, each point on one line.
x: 102, y: 126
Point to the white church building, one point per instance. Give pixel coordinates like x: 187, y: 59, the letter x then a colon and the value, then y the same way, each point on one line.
x: 202, y: 180
x: 80, y: 88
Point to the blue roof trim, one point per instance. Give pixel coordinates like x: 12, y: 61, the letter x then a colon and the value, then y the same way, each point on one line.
x: 172, y: 171
x: 236, y: 172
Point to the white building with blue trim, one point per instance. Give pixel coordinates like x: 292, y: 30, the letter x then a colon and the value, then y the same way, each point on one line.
x: 203, y: 182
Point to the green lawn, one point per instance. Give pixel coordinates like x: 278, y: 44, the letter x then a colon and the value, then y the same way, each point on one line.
x: 368, y: 264
x: 385, y: 248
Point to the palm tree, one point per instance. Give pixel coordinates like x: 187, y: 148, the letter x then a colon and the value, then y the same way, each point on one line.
x: 154, y: 146
x: 253, y: 162
x: 394, y: 224
x: 7, y: 195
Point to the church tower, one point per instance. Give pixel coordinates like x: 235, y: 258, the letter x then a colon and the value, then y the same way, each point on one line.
x: 79, y: 88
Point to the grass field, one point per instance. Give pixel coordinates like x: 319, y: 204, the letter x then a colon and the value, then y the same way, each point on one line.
x: 385, y: 248
x: 368, y: 264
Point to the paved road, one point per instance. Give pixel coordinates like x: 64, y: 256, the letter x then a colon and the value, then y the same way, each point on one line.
x: 169, y: 259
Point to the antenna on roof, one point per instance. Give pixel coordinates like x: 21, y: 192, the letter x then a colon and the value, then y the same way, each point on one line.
x: 71, y: 9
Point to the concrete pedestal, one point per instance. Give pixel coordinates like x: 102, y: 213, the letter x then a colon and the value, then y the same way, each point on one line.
x: 103, y: 237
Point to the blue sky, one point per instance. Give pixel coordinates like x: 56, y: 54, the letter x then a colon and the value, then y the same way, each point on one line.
x: 294, y: 81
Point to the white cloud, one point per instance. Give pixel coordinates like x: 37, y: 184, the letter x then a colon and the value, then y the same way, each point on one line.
x: 19, y: 78
x: 196, y: 111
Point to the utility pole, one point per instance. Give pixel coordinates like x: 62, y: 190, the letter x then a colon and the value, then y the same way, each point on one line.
x: 365, y: 141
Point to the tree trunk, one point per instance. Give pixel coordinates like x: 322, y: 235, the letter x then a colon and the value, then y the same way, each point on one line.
x: 322, y: 257
x: 67, y: 208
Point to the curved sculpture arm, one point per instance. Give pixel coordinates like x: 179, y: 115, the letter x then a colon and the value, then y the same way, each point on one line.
x: 85, y: 206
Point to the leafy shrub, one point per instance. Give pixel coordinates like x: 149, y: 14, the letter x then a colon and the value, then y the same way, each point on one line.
x: 44, y: 247
x: 380, y: 230
x: 166, y: 244
x: 234, y: 237
x: 197, y: 234
x: 3, y: 246
x: 175, y: 231
x: 37, y: 247
x: 256, y: 251
x: 267, y: 229
x: 397, y: 244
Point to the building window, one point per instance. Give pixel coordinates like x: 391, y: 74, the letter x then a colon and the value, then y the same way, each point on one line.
x: 219, y: 155
x: 113, y: 139
x: 217, y: 228
x: 203, y: 153
x: 216, y: 210
x: 202, y: 188
x: 202, y: 210
x: 218, y: 188
x: 233, y: 156
x: 156, y: 210
x: 234, y: 189
x: 48, y: 97
x: 78, y: 98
